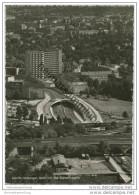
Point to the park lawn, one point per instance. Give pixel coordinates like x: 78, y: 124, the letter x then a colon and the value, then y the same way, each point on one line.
x: 112, y: 106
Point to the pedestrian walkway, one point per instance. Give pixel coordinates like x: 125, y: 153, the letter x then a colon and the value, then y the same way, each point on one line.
x: 126, y: 178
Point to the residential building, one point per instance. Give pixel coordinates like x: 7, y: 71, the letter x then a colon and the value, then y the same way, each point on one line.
x: 22, y: 151
x: 16, y: 36
x: 51, y: 59
x: 67, y: 20
x: 76, y: 87
x: 47, y: 83
x: 59, y: 28
x: 11, y: 108
x: 60, y: 163
x: 8, y: 17
x: 10, y: 78
x: 23, y: 26
x: 78, y: 69
x: 33, y: 93
x: 100, y: 75
x: 88, y: 32
x: 13, y: 71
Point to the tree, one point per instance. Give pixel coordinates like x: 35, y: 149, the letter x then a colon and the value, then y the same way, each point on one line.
x: 129, y: 129
x: 88, y: 95
x: 45, y: 120
x: 51, y: 133
x: 52, y: 121
x: 25, y: 112
x: 68, y: 127
x: 36, y: 159
x: 114, y: 124
x: 50, y: 151
x: 80, y: 128
x: 125, y: 115
x: 41, y: 119
x: 81, y: 93
x: 46, y: 170
x: 104, y: 146
x: 116, y: 150
x: 57, y: 145
x: 96, y: 84
x: 9, y: 146
x: 108, y: 96
x: 60, y: 130
x: 23, y: 169
x: 19, y: 113
x: 33, y: 114
x: 67, y: 120
x: 59, y: 120
x: 93, y: 91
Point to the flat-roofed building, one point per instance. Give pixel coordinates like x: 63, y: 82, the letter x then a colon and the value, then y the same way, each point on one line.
x: 76, y: 87
x: 100, y: 75
x: 50, y: 59
x: 23, y: 26
x: 10, y: 78
x: 11, y: 109
x: 33, y: 92
x: 13, y: 71
x: 88, y: 32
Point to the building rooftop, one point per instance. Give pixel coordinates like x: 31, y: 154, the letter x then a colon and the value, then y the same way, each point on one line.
x: 78, y: 83
x: 96, y: 72
x: 88, y: 31
x: 58, y: 159
x: 87, y: 167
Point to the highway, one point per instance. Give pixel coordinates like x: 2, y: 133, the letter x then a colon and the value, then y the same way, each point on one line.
x: 64, y: 111
x: 54, y: 94
x: 60, y: 110
x: 40, y: 106
x: 93, y: 111
x: 68, y: 112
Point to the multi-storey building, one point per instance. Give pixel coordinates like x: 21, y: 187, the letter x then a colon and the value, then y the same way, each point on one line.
x: 11, y: 108
x: 51, y: 59
x: 23, y: 26
x: 100, y: 75
x: 76, y: 87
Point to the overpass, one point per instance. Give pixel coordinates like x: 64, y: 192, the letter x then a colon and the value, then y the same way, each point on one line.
x: 84, y: 108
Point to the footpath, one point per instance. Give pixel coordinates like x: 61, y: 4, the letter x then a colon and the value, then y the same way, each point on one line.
x: 126, y: 178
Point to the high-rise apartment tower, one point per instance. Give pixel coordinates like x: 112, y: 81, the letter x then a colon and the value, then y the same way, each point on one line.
x: 51, y: 59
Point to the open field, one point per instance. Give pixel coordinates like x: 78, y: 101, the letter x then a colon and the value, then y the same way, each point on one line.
x: 89, y: 166
x: 112, y: 107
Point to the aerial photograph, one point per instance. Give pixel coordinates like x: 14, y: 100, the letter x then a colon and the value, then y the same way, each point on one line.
x: 69, y: 94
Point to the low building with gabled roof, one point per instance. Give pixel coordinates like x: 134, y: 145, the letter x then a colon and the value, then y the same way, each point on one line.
x: 59, y: 163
